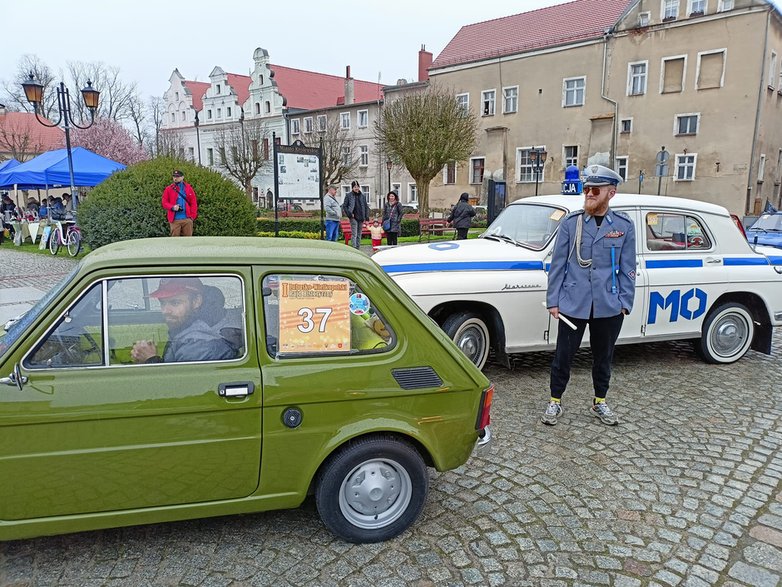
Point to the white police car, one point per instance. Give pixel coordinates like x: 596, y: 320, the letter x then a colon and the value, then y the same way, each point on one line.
x: 697, y: 278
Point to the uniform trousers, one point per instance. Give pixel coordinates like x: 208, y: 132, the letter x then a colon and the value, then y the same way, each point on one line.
x: 603, y: 333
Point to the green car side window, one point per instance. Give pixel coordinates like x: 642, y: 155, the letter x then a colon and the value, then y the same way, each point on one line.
x: 310, y: 315
x: 77, y: 339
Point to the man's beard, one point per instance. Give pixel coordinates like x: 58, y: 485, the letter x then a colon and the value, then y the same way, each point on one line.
x: 596, y: 207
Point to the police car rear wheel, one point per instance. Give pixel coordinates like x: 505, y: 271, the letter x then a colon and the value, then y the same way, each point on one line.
x: 470, y: 333
x: 727, y: 334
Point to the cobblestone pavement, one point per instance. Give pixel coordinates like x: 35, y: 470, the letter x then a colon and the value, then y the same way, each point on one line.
x: 687, y: 490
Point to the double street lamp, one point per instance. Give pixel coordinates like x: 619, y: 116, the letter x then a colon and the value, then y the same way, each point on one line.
x: 33, y: 90
x: 538, y: 158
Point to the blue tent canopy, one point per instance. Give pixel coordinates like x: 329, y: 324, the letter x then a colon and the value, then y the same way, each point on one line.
x: 10, y: 164
x: 51, y: 169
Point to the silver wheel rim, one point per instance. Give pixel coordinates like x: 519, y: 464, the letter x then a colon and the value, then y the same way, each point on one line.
x: 375, y: 494
x: 472, y: 338
x: 729, y: 335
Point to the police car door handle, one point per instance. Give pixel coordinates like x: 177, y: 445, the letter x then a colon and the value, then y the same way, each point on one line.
x: 714, y: 260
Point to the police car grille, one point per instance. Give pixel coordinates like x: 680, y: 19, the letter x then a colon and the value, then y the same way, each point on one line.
x: 416, y: 378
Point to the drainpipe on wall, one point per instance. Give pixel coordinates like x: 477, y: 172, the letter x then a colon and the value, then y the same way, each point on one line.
x: 606, y: 36
x: 761, y: 89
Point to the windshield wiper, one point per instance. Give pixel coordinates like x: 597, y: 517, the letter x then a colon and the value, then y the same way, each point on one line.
x: 503, y: 238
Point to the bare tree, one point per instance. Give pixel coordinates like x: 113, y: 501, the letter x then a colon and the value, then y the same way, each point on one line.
x: 425, y: 131
x: 115, y: 94
x: 244, y: 150
x: 156, y: 107
x: 338, y: 160
x: 170, y: 144
x: 14, y: 94
x: 20, y: 140
x: 137, y: 115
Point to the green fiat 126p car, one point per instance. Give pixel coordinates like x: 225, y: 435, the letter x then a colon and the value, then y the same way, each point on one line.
x: 167, y: 379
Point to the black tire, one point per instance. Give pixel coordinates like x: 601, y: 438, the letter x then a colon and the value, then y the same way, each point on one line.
x: 726, y: 335
x: 54, y: 241
x: 471, y: 334
x: 358, y: 510
x: 74, y: 243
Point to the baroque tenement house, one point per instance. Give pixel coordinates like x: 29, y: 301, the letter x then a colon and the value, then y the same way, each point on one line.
x: 613, y: 82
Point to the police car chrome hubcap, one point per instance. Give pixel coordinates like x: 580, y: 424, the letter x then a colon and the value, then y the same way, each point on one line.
x: 729, y: 335
x: 375, y: 493
x: 472, y: 343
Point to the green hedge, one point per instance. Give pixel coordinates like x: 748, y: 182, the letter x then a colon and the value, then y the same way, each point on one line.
x: 266, y: 225
x: 128, y: 204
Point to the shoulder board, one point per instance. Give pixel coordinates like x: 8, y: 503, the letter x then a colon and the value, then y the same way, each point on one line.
x: 574, y: 214
x: 622, y: 215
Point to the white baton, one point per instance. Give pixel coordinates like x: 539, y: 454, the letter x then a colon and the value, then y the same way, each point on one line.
x: 562, y: 317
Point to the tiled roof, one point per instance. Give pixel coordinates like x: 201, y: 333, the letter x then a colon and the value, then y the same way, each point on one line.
x: 20, y: 125
x: 197, y: 90
x: 241, y: 85
x: 546, y: 27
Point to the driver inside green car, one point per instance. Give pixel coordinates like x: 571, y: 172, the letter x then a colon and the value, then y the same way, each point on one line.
x: 190, y: 337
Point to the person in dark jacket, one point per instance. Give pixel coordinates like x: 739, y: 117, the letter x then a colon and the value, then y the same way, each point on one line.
x: 461, y: 216
x: 357, y: 211
x: 392, y: 217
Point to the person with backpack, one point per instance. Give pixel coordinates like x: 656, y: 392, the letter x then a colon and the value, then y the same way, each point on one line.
x: 356, y: 210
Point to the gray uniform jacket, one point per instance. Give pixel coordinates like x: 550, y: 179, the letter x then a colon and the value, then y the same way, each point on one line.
x: 331, y: 206
x: 606, y: 287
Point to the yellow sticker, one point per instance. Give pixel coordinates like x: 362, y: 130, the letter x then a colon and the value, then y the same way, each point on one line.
x: 652, y: 220
x: 556, y: 215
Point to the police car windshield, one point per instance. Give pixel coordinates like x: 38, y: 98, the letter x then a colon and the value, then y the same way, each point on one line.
x: 526, y: 225
x: 769, y: 223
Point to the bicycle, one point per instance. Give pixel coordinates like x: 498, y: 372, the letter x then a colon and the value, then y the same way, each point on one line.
x: 70, y: 237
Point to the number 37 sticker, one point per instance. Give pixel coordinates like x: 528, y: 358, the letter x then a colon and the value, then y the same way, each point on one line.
x: 314, y: 316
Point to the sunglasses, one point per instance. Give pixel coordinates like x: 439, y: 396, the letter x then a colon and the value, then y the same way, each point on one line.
x: 594, y: 189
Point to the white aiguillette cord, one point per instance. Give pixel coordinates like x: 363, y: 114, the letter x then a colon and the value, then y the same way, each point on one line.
x: 562, y: 317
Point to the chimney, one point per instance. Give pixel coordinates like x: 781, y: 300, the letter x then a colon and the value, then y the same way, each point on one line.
x: 349, y: 87
x: 424, y: 63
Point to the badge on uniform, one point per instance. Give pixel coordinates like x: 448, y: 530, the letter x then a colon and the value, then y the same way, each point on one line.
x: 615, y: 234
x: 631, y: 274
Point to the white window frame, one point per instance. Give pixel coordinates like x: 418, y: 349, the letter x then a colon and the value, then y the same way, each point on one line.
x: 690, y: 6
x: 295, y: 126
x: 465, y: 102
x: 472, y: 167
x: 519, y: 152
x: 513, y: 99
x: 308, y: 124
x: 565, y: 91
x: 219, y: 113
x: 397, y: 187
x: 627, y: 132
x: 676, y: 118
x: 228, y: 112
x: 366, y: 118
x: 363, y: 156
x: 644, y: 19
x: 489, y: 105
x: 344, y: 120
x: 209, y: 114
x: 445, y: 173
x: 725, y: 5
x: 365, y: 192
x: 257, y: 108
x: 217, y: 90
x: 621, y: 162
x: 565, y: 158
x: 631, y: 77
x: 679, y: 165
x: 724, y: 52
x: 662, y: 72
x: 322, y: 119
x: 412, y: 193
x: 662, y: 9
x: 761, y: 168
x: 347, y: 155
x: 210, y: 156
x: 772, y: 70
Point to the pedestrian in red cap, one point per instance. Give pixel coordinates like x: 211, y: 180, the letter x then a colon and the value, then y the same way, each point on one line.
x: 181, y: 205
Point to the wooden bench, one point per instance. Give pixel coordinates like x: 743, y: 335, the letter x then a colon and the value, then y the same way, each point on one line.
x: 344, y: 226
x: 429, y: 226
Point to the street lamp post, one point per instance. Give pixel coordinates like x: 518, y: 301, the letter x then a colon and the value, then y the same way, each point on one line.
x: 33, y: 90
x: 389, y: 165
x: 538, y: 156
x: 198, y: 137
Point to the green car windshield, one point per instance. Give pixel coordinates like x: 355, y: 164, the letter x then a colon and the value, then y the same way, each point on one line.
x: 17, y: 327
x: 526, y: 225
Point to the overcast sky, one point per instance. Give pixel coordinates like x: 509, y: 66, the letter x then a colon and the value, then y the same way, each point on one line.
x: 147, y: 39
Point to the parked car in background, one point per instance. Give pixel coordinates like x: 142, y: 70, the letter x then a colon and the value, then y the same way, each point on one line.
x: 167, y: 379
x: 697, y: 279
x: 766, y: 230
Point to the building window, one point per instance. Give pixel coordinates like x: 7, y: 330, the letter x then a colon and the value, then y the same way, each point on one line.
x: 673, y: 74
x: 772, y: 70
x: 621, y: 167
x: 412, y: 193
x: 636, y: 78
x: 219, y: 113
x: 464, y: 101
x: 526, y: 165
x: 644, y: 18
x: 626, y: 126
x: 487, y: 99
x: 573, y: 91
x: 686, y: 124
x: 761, y: 168
x: 228, y: 112
x: 267, y: 107
x: 209, y: 115
x: 210, y: 156
x: 476, y: 169
x: 191, y: 153
x: 308, y: 124
x: 173, y: 117
x: 510, y: 99
x: 571, y: 155
x: 344, y: 120
x: 176, y: 95
x: 363, y: 118
x: 449, y: 173
x: 184, y: 116
x: 265, y: 149
x: 711, y: 70
x: 685, y: 167
x: 321, y: 122
x: 696, y: 7
x: 257, y: 107
x: 365, y: 191
x: 346, y: 156
x: 725, y: 5
x: 670, y: 10
x: 363, y: 151
x: 295, y: 126
x: 218, y: 89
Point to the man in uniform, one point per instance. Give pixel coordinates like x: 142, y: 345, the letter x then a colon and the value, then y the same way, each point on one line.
x: 591, y: 281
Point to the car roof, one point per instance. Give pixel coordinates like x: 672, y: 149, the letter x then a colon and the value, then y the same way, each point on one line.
x: 222, y: 250
x: 628, y: 200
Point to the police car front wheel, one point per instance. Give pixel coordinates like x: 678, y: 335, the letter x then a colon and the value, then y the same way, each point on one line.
x: 471, y: 334
x: 727, y: 334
